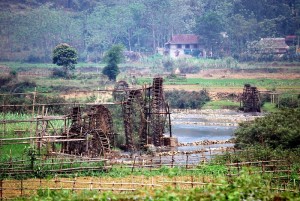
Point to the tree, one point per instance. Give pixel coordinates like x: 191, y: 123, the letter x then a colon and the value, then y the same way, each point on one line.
x: 210, y: 26
x: 66, y: 56
x: 113, y: 57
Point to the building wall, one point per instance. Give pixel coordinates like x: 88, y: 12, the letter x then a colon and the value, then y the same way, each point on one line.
x: 175, y: 52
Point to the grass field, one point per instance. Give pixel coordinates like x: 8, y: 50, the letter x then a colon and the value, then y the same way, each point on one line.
x: 261, y: 83
x: 221, y: 104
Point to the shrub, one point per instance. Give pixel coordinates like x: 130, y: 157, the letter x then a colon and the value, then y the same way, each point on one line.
x: 185, y: 99
x: 168, y: 64
x: 279, y: 129
x: 289, y: 102
x: 58, y: 73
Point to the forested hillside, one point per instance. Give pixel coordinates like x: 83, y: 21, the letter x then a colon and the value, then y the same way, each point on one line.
x: 30, y: 29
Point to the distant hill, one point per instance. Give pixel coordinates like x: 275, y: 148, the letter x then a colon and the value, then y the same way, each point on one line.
x: 30, y: 29
x: 75, y: 5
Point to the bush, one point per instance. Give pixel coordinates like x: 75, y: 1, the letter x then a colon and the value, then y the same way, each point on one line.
x: 188, y: 66
x: 34, y: 59
x: 168, y: 64
x: 289, y: 102
x: 185, y: 99
x: 58, y: 73
x: 279, y: 129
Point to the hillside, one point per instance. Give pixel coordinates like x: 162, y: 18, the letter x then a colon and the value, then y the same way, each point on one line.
x: 30, y: 29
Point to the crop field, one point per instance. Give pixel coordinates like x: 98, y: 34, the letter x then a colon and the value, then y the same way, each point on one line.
x: 229, y: 85
x: 235, y: 83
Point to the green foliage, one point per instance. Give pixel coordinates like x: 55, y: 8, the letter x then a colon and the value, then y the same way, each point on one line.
x: 58, y: 73
x: 168, y: 64
x: 185, y: 99
x: 93, y: 26
x: 222, y: 104
x: 209, y: 26
x: 11, y: 84
x: 212, y: 82
x: 66, y: 56
x: 269, y: 107
x: 244, y: 187
x: 113, y: 57
x: 278, y: 129
x: 289, y: 101
x: 32, y: 154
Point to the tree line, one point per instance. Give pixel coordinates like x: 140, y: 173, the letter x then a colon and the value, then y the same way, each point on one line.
x: 30, y: 29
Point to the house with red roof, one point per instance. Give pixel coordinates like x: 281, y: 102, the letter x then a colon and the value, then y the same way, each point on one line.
x: 184, y: 45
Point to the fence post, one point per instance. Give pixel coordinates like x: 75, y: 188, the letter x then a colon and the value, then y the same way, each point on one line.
x: 238, y: 167
x: 22, y: 187
x: 74, y: 184
x: 160, y: 161
x: 172, y: 160
x: 1, y: 186
x: 133, y: 164
x: 187, y: 161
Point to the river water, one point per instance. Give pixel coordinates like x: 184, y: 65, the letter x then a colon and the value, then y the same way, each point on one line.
x: 193, y: 133
x: 199, y: 125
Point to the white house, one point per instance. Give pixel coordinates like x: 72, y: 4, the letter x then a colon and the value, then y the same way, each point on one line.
x: 182, y: 45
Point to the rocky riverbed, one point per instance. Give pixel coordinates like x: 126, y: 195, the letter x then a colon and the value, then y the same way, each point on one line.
x: 209, y: 117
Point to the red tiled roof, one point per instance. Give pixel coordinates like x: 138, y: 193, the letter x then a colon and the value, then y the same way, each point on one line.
x: 184, y: 39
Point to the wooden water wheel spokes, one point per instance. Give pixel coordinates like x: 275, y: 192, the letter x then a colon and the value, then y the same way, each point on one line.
x: 158, y: 112
x: 94, y: 131
x: 135, y: 120
x: 120, y: 91
x: 97, y: 143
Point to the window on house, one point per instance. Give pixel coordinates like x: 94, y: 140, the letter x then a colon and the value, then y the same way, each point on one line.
x: 195, y: 46
x: 179, y: 46
x: 187, y: 46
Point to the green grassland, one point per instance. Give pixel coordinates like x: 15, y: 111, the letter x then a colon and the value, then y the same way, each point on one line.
x: 288, y: 84
x: 221, y: 104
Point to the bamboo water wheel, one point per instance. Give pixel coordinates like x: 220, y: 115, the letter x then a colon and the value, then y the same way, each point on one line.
x: 250, y: 100
x: 91, y: 133
x: 135, y: 123
x: 145, y: 113
x: 120, y: 91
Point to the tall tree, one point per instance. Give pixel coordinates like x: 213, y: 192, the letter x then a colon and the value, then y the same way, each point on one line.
x: 113, y: 57
x: 209, y: 28
x: 66, y: 56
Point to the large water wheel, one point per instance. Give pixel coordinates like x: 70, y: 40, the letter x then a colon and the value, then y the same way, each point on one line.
x: 135, y: 120
x: 120, y: 91
x: 159, y: 112
x: 90, y: 133
x: 250, y: 99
